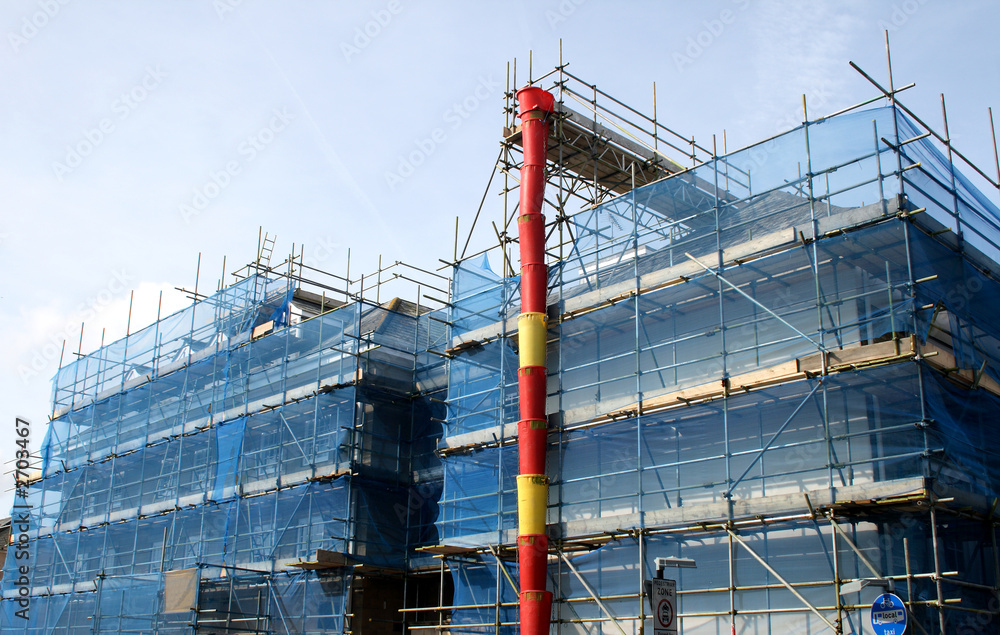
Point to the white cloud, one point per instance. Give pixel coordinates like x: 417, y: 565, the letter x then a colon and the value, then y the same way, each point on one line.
x: 32, y: 357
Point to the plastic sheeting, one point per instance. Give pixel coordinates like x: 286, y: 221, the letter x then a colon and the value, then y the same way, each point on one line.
x: 801, y: 551
x: 804, y: 233
x: 296, y: 604
x: 190, y: 445
x: 482, y: 589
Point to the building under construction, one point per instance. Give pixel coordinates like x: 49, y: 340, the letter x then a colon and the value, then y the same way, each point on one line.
x: 775, y: 366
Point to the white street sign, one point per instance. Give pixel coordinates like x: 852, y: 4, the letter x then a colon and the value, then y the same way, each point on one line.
x: 664, y: 602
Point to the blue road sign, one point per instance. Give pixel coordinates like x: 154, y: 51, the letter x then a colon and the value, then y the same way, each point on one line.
x: 888, y: 615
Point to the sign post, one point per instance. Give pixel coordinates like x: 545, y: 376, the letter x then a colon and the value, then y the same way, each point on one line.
x: 664, y: 603
x: 888, y: 615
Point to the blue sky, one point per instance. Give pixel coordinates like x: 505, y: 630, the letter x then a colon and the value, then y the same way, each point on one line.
x: 138, y: 134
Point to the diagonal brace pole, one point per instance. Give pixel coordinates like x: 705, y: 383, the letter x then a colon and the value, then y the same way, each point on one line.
x: 284, y: 421
x: 767, y: 445
x: 780, y: 579
x: 864, y: 560
x: 496, y: 554
x: 762, y: 307
x: 850, y: 543
x: 594, y: 595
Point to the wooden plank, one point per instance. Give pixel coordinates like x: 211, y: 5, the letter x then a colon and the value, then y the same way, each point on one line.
x: 447, y: 550
x: 331, y: 476
x: 891, y: 351
x: 325, y: 559
x: 779, y: 373
x: 792, y: 370
x: 680, y: 272
x: 943, y: 360
x: 262, y: 329
x: 701, y: 515
x: 857, y: 356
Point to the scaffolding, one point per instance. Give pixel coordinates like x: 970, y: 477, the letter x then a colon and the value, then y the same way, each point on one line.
x: 241, y: 466
x: 778, y: 362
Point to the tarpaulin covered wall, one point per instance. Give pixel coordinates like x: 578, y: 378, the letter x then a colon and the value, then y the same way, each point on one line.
x: 193, y: 445
x: 774, y: 363
x: 770, y: 324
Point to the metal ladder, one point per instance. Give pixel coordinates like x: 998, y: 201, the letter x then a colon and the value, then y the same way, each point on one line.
x: 265, y: 247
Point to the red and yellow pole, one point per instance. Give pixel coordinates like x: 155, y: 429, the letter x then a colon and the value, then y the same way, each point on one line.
x: 532, y: 483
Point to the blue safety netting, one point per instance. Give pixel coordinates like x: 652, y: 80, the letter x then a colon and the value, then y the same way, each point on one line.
x: 485, y: 598
x: 818, y: 257
x: 692, y: 325
x: 233, y: 439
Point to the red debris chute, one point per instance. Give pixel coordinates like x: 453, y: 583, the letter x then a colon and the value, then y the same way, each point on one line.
x: 532, y: 483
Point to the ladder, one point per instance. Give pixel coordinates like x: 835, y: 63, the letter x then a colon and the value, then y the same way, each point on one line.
x: 265, y: 248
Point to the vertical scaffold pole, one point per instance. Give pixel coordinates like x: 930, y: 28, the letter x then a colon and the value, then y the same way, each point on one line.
x: 937, y: 568
x: 996, y: 156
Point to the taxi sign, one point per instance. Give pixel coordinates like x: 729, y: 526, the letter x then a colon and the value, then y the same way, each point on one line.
x: 888, y: 615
